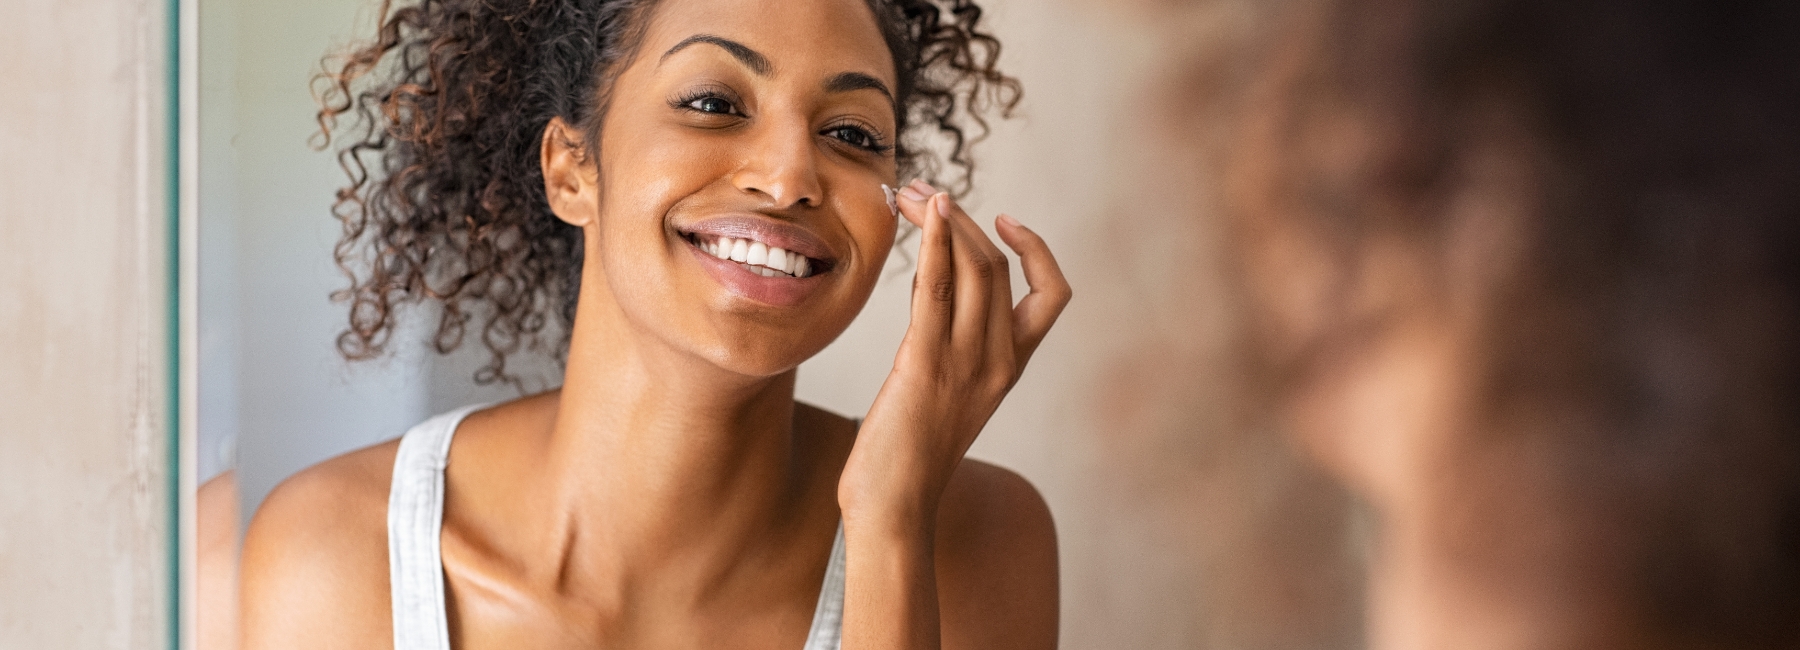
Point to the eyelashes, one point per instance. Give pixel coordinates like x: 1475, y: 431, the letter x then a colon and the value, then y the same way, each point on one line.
x: 719, y: 104
x: 857, y: 134
x: 710, y: 101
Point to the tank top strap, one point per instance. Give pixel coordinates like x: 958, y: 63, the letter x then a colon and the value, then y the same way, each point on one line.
x: 415, y: 522
x: 828, y: 617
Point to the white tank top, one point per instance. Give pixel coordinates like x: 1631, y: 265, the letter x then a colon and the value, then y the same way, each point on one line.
x: 416, y: 568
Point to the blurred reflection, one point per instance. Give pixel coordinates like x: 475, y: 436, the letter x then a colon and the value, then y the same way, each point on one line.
x: 1522, y: 275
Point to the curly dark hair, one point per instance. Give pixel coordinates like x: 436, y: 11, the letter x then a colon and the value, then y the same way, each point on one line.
x: 450, y: 101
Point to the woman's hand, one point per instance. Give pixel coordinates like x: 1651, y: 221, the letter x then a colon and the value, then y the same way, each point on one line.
x: 964, y: 350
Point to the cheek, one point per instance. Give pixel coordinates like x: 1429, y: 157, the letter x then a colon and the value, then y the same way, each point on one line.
x: 874, y: 235
x: 643, y: 177
x: 647, y: 165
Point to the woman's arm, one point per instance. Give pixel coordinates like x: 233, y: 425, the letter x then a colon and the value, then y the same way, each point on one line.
x: 963, y: 351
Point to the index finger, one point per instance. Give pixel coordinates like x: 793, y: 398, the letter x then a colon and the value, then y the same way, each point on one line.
x: 909, y: 207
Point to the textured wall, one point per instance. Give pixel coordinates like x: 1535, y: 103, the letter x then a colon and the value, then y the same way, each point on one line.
x: 83, y: 310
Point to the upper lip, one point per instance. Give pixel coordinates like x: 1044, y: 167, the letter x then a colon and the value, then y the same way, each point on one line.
x: 789, y: 236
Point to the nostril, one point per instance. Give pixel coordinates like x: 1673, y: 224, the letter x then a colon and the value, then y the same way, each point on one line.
x: 784, y: 194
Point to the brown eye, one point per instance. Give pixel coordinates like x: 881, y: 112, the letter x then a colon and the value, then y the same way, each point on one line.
x: 715, y: 105
x: 854, y: 137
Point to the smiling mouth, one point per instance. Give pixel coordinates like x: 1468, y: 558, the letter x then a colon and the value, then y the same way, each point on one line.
x: 757, y: 257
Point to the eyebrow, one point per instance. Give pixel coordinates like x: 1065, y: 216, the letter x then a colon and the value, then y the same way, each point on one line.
x: 752, y: 59
x: 848, y: 81
x: 842, y: 82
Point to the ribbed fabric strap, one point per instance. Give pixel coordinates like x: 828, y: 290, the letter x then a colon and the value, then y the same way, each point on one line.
x: 415, y: 524
x: 416, y: 564
x: 828, y: 618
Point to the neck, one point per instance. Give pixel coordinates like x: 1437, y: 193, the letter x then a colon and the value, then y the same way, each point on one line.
x: 658, y: 458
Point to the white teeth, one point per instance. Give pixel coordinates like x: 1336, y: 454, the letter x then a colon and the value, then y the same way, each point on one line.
x: 759, y: 258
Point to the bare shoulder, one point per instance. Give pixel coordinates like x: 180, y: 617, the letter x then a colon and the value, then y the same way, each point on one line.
x: 996, y: 561
x: 314, y: 570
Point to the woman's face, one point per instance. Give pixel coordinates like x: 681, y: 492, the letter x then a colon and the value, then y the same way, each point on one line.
x: 765, y: 126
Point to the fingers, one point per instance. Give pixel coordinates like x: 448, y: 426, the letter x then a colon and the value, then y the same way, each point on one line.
x: 974, y: 283
x: 934, y: 284
x: 965, y: 225
x: 990, y: 320
x: 911, y: 202
x: 983, y: 318
x: 1050, y: 292
x: 983, y: 323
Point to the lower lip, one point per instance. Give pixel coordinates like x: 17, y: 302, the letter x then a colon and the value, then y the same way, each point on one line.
x: 779, y: 291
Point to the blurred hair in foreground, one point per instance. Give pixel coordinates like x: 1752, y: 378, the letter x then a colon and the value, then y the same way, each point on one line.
x: 1524, y: 275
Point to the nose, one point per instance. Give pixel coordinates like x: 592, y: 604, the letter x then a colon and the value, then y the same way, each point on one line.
x: 782, y: 166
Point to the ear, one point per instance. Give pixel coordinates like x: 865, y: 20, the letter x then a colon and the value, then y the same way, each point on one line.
x: 570, y: 178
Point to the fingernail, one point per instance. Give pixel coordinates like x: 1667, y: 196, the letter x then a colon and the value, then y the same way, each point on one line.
x: 924, y: 188
x: 912, y: 194
x: 893, y: 206
x: 1010, y: 221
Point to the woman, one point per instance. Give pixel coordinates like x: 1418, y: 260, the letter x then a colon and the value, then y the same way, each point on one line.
x: 1523, y: 275
x: 700, y: 182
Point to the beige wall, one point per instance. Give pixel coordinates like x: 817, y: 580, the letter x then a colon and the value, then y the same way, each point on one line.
x: 83, y: 310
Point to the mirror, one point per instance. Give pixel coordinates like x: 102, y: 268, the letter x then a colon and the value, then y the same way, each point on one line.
x: 276, y: 397
x: 1307, y: 256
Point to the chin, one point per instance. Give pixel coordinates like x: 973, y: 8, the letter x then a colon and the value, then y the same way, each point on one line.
x: 759, y: 359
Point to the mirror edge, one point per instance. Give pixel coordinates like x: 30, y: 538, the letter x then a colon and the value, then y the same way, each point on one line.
x: 184, y: 94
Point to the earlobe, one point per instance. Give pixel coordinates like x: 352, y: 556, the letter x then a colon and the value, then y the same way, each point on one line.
x: 569, y: 175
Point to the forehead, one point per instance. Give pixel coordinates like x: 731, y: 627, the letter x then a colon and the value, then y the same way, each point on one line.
x: 808, y: 37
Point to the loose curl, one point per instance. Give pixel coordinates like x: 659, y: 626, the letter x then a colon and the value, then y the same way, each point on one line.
x: 445, y: 200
